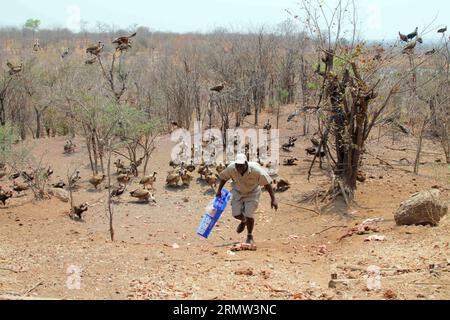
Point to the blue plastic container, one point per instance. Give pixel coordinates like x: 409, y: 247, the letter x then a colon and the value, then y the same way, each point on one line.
x: 213, y: 214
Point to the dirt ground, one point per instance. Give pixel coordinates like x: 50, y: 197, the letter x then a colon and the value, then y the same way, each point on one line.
x: 157, y: 254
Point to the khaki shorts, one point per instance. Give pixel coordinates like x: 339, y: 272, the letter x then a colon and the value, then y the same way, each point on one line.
x: 245, y: 204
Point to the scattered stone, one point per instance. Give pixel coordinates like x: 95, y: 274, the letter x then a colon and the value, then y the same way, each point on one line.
x: 323, y: 249
x: 423, y: 208
x: 297, y: 296
x: 244, y: 272
x: 375, y: 237
x: 372, y: 220
x: 359, y: 230
x: 389, y: 294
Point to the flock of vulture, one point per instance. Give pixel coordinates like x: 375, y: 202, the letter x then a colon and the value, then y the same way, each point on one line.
x: 26, y: 178
x: 122, y: 44
x: 413, y: 38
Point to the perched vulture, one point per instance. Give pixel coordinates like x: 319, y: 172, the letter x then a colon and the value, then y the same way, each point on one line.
x: 218, y: 88
x: 409, y: 47
x: 65, y: 53
x: 91, y: 61
x: 36, y: 46
x: 95, y: 50
x: 403, y: 37
x: 13, y: 69
x: 124, y: 42
x: 442, y: 30
x: 293, y: 115
x: 412, y: 35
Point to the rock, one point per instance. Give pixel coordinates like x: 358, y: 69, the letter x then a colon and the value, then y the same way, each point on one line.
x: 372, y: 220
x: 375, y: 238
x: 297, y: 296
x: 323, y: 249
x: 423, y: 208
x: 389, y: 295
x: 244, y: 271
x: 61, y: 194
x: 333, y: 284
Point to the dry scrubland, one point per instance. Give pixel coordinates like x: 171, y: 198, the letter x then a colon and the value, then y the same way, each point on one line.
x: 377, y: 112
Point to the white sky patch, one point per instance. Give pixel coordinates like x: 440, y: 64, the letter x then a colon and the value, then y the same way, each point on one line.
x: 374, y: 19
x: 73, y: 21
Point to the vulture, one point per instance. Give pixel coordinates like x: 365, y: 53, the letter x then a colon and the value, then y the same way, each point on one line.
x: 20, y: 186
x: 95, y: 50
x: 91, y: 61
x: 79, y: 210
x: 15, y: 175
x: 143, y: 195
x: 124, y: 42
x: 293, y: 115
x: 36, y: 46
x: 59, y: 185
x: 49, y: 172
x: 312, y: 151
x: 290, y: 161
x: 148, y: 180
x: 118, y: 191
x: 409, y: 47
x: 412, y: 35
x: 13, y: 69
x: 442, y: 30
x: 218, y: 88
x: 5, y: 195
x: 96, y: 180
x: 282, y: 184
x: 65, y: 53
x: 75, y: 179
x: 191, y: 167
x: 403, y: 37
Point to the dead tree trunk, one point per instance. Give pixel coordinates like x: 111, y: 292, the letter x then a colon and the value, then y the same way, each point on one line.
x: 419, y: 146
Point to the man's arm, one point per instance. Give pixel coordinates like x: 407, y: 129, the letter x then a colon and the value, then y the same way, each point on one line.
x: 274, y: 201
x: 219, y: 190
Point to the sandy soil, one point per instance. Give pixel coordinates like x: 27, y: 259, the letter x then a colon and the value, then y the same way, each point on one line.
x: 38, y: 242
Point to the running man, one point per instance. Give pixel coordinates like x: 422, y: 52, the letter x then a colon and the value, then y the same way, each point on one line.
x: 248, y: 178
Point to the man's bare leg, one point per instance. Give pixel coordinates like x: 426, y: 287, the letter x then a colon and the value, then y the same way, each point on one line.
x: 250, y: 225
x: 241, y: 226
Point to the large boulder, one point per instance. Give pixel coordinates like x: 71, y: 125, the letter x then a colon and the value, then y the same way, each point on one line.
x: 61, y: 194
x: 422, y: 208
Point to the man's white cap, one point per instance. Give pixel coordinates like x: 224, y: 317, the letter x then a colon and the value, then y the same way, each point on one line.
x: 241, y: 159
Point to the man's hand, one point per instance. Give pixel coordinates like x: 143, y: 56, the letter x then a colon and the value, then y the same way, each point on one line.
x: 274, y: 204
x: 274, y: 201
x: 219, y: 195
